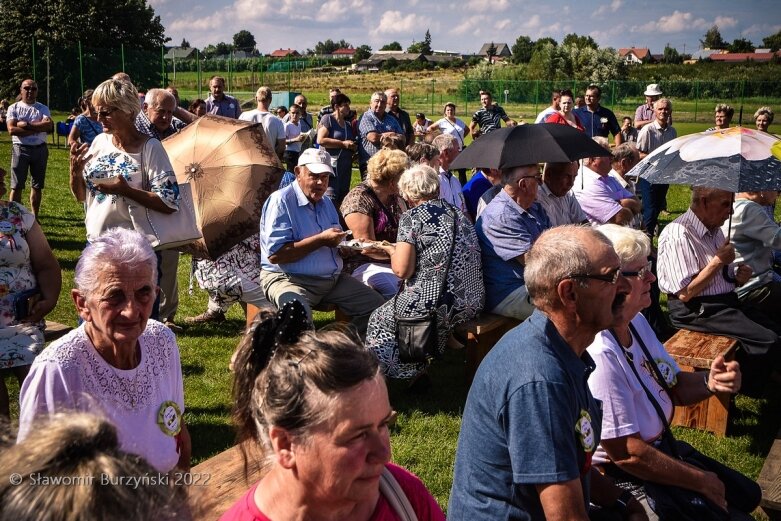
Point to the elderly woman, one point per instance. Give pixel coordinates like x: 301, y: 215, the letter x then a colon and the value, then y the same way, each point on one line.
x: 30, y: 282
x: 197, y: 107
x: 565, y: 116
x: 122, y: 167
x: 371, y: 211
x: 435, y: 280
x: 722, y: 116
x: 317, y: 405
x: 118, y: 362
x: 763, y: 118
x: 85, y: 127
x: 82, y: 452
x: 635, y: 446
x: 335, y: 133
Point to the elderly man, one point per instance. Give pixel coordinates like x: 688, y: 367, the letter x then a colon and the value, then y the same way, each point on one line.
x: 219, y: 103
x: 177, y: 121
x: 556, y: 197
x: 506, y: 230
x: 531, y: 425
x: 696, y: 271
x: 596, y: 119
x: 644, y: 114
x: 489, y: 117
x: 449, y: 186
x: 601, y: 197
x: 299, y: 232
x: 649, y: 139
x: 28, y: 122
x: 374, y: 124
x: 402, y: 116
x: 554, y: 107
x: 625, y: 157
x: 275, y: 129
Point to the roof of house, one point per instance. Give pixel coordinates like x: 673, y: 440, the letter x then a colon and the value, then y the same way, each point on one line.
x: 402, y: 56
x: 349, y: 51
x: 501, y: 48
x: 641, y: 52
x: 281, y: 53
x: 743, y: 56
x: 178, y: 53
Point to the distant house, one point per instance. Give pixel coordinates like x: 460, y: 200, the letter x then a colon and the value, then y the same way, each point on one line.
x: 235, y: 55
x: 736, y: 57
x: 636, y: 55
x: 502, y: 50
x: 284, y: 53
x: 178, y: 53
x: 344, y: 52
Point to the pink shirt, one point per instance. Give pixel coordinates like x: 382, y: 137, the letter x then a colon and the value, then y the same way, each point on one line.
x: 421, y: 499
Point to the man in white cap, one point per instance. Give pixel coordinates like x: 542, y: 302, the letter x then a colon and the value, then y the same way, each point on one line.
x: 645, y: 112
x: 299, y: 235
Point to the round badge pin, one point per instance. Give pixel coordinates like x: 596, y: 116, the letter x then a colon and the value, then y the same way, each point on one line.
x: 169, y: 418
x: 7, y: 228
x: 667, y: 371
x: 586, y: 431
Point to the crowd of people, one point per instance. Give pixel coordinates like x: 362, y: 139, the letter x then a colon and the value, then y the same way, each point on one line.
x: 566, y: 248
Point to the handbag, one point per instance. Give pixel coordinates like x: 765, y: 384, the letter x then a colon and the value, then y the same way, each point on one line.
x: 679, y: 504
x: 165, y: 231
x: 417, y: 337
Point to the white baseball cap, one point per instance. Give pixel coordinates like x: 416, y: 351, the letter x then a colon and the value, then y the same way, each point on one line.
x: 317, y: 160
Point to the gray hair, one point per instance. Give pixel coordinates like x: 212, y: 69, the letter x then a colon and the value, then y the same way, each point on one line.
x: 119, y: 94
x: 602, y: 141
x: 419, y: 183
x: 664, y: 100
x: 630, y: 245
x: 418, y: 151
x: 557, y: 254
x: 623, y: 151
x: 114, y: 247
x: 444, y: 142
x: 155, y: 97
x: 726, y: 109
x: 510, y: 176
x: 764, y: 111
x: 704, y: 192
x: 379, y: 93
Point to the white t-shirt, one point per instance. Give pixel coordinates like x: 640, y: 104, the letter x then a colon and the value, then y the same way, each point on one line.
x: 106, y: 211
x: 273, y: 126
x: 71, y: 375
x: 456, y: 130
x: 626, y: 409
x: 21, y: 111
x: 450, y: 190
x: 291, y: 132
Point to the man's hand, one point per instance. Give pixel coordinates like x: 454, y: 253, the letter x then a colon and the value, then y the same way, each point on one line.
x: 713, y: 489
x: 724, y: 376
x: 726, y: 254
x: 742, y: 274
x: 332, y: 236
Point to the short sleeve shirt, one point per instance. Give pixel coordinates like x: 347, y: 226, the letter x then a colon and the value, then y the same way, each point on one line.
x: 599, y: 198
x: 537, y: 423
x: 489, y: 118
x: 560, y: 210
x: 275, y: 129
x: 371, y: 123
x: 602, y: 122
x: 506, y: 231
x: 228, y: 107
x: 21, y: 111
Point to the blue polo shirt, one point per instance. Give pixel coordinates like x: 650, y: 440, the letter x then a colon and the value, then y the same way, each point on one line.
x: 288, y: 216
x: 593, y: 124
x: 529, y: 419
x: 505, y: 231
x: 473, y: 190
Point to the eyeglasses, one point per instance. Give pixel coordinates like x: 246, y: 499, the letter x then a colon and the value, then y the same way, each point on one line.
x: 105, y: 113
x: 640, y: 274
x: 30, y: 88
x: 610, y: 278
x: 537, y: 178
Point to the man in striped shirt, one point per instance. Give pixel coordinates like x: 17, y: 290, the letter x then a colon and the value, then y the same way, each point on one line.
x: 489, y: 117
x: 696, y: 271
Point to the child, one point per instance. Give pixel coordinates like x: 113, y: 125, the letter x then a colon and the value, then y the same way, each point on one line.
x: 421, y: 126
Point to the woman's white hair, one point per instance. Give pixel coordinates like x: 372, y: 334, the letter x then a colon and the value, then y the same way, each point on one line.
x: 119, y: 94
x: 419, y: 183
x: 115, y: 247
x: 631, y: 245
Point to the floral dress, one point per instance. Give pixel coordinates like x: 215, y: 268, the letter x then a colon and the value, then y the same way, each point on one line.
x: 19, y: 342
x: 429, y: 228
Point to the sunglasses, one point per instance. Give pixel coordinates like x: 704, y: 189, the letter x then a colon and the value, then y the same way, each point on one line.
x: 30, y: 88
x: 610, y: 278
x: 106, y: 113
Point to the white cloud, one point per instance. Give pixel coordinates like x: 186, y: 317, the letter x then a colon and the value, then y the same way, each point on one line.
x: 486, y: 5
x: 679, y: 22
x: 761, y: 30
x: 612, y: 7
x: 532, y: 23
x: 469, y: 25
x: 394, y: 22
x: 205, y: 23
x: 725, y: 22
x: 502, y: 24
x: 339, y: 10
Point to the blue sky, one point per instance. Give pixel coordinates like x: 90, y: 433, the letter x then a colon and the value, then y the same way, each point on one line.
x: 463, y: 25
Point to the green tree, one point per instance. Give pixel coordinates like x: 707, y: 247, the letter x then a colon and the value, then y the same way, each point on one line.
x: 773, y: 42
x: 576, y: 40
x: 741, y: 45
x: 329, y: 46
x: 362, y: 52
x: 57, y: 24
x: 671, y: 55
x: 185, y: 44
x: 244, y: 41
x: 542, y: 41
x: 491, y: 52
x: 570, y: 61
x: 522, y: 50
x: 426, y: 48
x: 393, y: 46
x: 713, y: 39
x: 222, y: 49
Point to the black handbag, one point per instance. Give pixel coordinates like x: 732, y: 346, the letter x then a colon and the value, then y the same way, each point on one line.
x: 673, y: 503
x: 417, y: 337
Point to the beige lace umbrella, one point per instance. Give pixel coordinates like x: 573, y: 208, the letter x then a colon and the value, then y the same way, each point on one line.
x: 232, y: 169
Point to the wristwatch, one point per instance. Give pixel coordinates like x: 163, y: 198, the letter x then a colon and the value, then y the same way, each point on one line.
x: 705, y: 381
x: 622, y: 503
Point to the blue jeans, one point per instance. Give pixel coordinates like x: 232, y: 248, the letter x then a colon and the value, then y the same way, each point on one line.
x: 654, y: 198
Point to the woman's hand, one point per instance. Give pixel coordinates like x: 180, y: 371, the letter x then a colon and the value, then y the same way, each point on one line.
x: 40, y: 309
x: 349, y: 144
x: 78, y: 158
x: 116, y: 186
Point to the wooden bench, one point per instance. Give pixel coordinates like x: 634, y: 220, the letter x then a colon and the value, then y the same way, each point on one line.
x: 481, y: 335
x: 55, y: 330
x: 695, y: 352
x: 225, y: 483
x: 770, y: 481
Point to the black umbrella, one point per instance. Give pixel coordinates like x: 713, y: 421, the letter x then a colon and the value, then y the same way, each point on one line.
x: 521, y: 145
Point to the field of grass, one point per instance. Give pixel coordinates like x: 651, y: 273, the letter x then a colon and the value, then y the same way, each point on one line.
x: 424, y: 438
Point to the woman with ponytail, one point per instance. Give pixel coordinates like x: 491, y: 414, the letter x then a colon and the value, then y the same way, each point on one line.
x: 317, y: 407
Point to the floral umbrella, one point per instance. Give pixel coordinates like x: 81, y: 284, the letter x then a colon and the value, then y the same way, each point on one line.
x: 736, y: 159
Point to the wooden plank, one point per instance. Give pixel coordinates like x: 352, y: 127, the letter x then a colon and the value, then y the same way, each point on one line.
x: 481, y: 335
x: 698, y: 350
x: 770, y: 480
x: 55, y: 330
x: 226, y: 481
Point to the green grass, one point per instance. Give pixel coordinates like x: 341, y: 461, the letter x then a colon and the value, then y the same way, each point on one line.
x: 425, y: 436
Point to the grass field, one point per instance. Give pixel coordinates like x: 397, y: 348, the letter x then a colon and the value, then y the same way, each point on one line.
x: 424, y: 438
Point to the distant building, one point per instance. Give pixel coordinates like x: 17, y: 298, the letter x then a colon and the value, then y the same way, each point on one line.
x: 502, y: 50
x: 636, y: 55
x: 284, y: 53
x: 736, y: 57
x: 179, y: 53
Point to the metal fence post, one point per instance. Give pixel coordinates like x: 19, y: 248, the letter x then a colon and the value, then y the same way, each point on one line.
x: 696, y: 98
x: 122, y: 52
x: 162, y: 63
x: 81, y: 68
x: 433, y: 81
x: 35, y: 79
